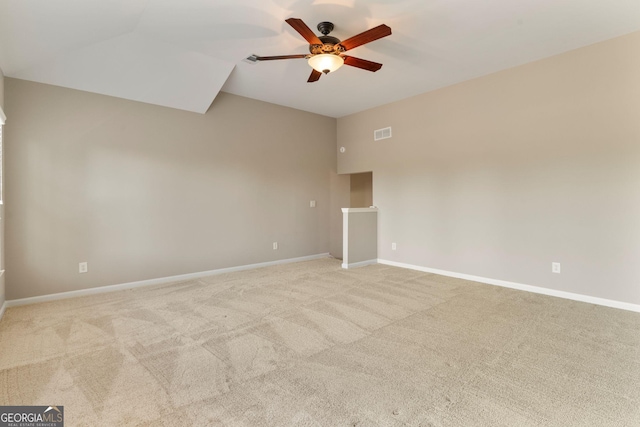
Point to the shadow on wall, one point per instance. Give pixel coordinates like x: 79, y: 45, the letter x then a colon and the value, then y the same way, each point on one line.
x: 361, y: 190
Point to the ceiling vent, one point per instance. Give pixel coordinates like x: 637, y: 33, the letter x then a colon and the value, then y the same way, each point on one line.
x: 382, y: 134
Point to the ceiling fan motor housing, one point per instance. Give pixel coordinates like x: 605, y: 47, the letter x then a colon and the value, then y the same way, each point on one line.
x: 329, y: 44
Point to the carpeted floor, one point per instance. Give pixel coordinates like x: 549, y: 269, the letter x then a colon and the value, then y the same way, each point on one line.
x: 310, y: 344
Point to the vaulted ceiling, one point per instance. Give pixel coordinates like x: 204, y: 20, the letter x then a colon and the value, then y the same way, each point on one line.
x: 181, y: 53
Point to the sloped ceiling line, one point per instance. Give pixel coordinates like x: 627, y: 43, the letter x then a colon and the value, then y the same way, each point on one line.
x: 181, y: 53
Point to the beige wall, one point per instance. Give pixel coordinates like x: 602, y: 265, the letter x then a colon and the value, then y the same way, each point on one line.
x: 1, y: 89
x: 500, y: 176
x: 360, y: 238
x: 361, y: 190
x: 140, y: 191
x: 339, y: 199
x: 2, y: 285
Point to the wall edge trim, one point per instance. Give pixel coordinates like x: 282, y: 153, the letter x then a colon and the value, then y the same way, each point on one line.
x: 151, y: 282
x: 521, y: 287
x: 359, y: 264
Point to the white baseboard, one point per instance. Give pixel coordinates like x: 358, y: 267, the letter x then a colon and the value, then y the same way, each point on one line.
x: 191, y: 276
x: 150, y: 282
x: 359, y: 264
x: 521, y: 287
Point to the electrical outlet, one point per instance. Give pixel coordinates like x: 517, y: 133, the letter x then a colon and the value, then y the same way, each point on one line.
x: 83, y: 267
x: 555, y: 267
x: 393, y: 247
x: 275, y: 245
x: 312, y: 204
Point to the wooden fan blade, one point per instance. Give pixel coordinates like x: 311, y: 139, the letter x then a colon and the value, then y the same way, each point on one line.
x: 361, y: 63
x: 314, y: 77
x: 272, y: 58
x: 304, y: 30
x: 368, y: 36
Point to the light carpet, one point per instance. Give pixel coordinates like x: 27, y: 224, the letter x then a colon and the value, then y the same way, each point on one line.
x: 311, y: 344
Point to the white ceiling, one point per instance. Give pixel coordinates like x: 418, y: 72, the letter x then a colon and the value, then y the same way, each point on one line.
x: 181, y: 53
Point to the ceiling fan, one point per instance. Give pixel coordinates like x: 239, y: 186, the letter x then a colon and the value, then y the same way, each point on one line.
x: 327, y: 52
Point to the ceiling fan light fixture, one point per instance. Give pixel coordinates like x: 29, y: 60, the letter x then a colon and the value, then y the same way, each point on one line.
x: 326, y: 53
x: 326, y: 62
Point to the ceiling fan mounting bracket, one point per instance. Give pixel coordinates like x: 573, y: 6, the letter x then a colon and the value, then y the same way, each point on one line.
x: 325, y: 27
